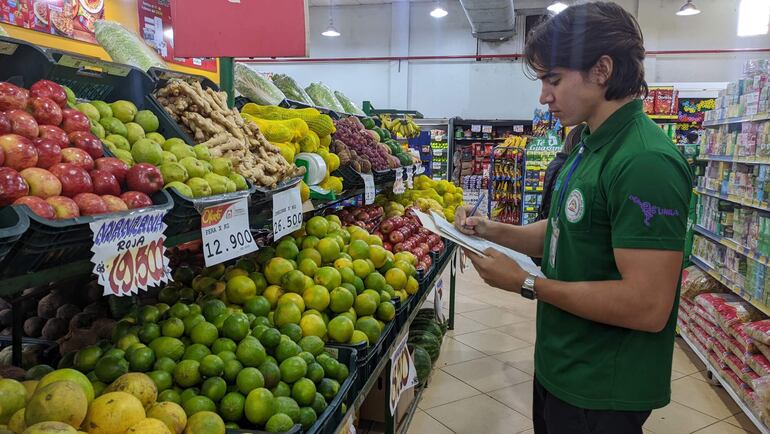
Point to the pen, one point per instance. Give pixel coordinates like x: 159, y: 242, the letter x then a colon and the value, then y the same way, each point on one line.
x: 476, y: 207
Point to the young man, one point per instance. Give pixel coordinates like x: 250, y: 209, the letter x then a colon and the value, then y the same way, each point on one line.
x: 612, y: 243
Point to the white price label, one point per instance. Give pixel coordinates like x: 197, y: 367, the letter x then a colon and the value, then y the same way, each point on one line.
x: 438, y: 300
x: 419, y: 169
x: 398, y: 184
x: 225, y: 231
x: 475, y: 128
x: 369, y: 189
x: 287, y: 212
x: 403, y: 374
x: 409, y: 176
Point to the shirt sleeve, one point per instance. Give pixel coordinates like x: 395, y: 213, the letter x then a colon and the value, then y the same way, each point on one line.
x: 648, y: 201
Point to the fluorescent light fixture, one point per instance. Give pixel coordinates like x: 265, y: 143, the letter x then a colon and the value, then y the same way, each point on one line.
x: 688, y: 9
x: 557, y: 7
x: 438, y: 12
x: 753, y: 17
x: 331, y: 31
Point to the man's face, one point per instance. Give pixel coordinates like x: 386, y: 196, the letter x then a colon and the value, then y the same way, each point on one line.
x: 571, y: 95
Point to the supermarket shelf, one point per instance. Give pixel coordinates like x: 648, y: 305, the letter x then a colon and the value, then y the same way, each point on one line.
x: 762, y: 206
x: 732, y: 245
x: 496, y: 139
x: 705, y: 266
x: 663, y: 117
x: 362, y: 394
x: 732, y: 159
x: 725, y: 385
x: 737, y: 120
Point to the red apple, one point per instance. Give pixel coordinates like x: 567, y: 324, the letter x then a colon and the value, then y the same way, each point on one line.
x: 12, y: 186
x: 87, y: 142
x: 48, y: 152
x: 117, y: 167
x: 56, y: 134
x: 77, y: 157
x: 105, y: 182
x: 74, y: 120
x: 12, y: 96
x: 45, y: 111
x: 387, y: 226
x: 2, y: 156
x: 396, y: 237
x: 74, y: 180
x: 387, y: 246
x: 22, y: 123
x: 90, y: 204
x: 435, y: 249
x: 19, y: 151
x: 136, y: 199
x: 64, y: 207
x: 42, y: 183
x: 5, y: 124
x: 144, y: 177
x: 398, y: 247
x: 114, y: 204
x: 49, y: 89
x: 37, y: 206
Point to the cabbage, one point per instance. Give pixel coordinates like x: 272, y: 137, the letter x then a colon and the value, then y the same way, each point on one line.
x: 124, y: 46
x: 349, y: 106
x: 291, y: 89
x: 256, y: 87
x: 323, y: 97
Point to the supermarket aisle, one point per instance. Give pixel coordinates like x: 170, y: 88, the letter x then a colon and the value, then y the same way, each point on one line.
x: 483, y: 380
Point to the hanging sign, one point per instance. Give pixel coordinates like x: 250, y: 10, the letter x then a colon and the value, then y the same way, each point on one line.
x: 438, y: 300
x: 129, y: 254
x: 225, y: 232
x: 72, y: 19
x: 369, y: 188
x: 409, y: 176
x: 398, y: 184
x: 419, y: 169
x: 287, y: 212
x: 403, y: 374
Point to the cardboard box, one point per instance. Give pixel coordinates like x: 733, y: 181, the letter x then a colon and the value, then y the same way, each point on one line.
x: 375, y: 406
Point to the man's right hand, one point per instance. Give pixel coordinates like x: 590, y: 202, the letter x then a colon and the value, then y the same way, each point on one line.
x: 479, y: 226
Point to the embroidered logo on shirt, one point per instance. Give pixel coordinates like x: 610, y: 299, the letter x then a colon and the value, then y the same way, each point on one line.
x: 649, y: 210
x: 575, y: 206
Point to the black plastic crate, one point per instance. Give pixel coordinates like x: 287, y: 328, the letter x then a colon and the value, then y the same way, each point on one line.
x: 368, y: 357
x: 186, y: 217
x: 382, y: 176
x: 327, y: 421
x: 350, y: 178
x: 402, y: 312
x: 13, y: 224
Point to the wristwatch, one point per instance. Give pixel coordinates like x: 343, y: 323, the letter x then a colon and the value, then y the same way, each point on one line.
x: 528, y: 288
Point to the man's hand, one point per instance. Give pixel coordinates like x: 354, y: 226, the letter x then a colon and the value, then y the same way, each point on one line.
x: 498, y: 270
x: 474, y: 225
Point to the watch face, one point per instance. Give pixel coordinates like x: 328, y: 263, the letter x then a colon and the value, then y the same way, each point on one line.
x: 528, y: 293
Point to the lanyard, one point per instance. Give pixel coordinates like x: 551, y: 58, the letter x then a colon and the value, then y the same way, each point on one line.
x: 564, y: 184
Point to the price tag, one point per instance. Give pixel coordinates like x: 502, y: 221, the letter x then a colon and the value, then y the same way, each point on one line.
x: 475, y: 128
x: 225, y: 231
x: 438, y: 300
x: 129, y: 254
x: 287, y: 212
x: 518, y: 128
x: 398, y: 184
x: 403, y: 374
x: 419, y: 169
x: 486, y: 129
x: 409, y: 176
x: 369, y: 189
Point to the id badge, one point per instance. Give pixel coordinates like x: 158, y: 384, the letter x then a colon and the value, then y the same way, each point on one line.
x: 554, y: 243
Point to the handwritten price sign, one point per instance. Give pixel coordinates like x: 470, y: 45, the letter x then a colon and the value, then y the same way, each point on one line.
x: 403, y: 374
x: 369, y: 188
x: 225, y: 231
x: 129, y: 254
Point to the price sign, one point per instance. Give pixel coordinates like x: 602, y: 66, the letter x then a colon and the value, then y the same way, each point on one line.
x: 398, y: 184
x: 287, y: 212
x: 419, y: 169
x: 475, y: 128
x: 403, y: 374
x: 129, y: 254
x: 438, y: 300
x: 409, y: 176
x: 369, y: 189
x: 225, y: 231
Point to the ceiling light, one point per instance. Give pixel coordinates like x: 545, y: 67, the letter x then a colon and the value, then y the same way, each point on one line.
x: 688, y: 9
x: 557, y: 7
x: 438, y: 12
x: 331, y: 31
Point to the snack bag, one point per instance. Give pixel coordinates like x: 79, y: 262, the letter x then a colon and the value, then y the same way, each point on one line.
x: 759, y: 331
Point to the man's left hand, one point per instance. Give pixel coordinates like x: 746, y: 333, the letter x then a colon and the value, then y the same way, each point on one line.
x: 498, y: 270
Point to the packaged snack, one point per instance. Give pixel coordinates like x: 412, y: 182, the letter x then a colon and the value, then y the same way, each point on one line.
x: 710, y: 302
x: 761, y: 387
x: 731, y: 313
x: 759, y: 331
x: 709, y: 328
x: 746, y: 343
x: 696, y: 282
x: 749, y: 375
x: 760, y: 365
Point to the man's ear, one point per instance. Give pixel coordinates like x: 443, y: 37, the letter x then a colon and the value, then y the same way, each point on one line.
x: 601, y: 72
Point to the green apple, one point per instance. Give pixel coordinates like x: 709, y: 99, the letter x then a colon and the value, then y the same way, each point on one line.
x: 147, y: 151
x: 173, y: 172
x: 180, y: 188
x: 199, y: 187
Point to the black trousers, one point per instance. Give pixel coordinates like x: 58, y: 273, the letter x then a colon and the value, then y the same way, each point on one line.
x: 551, y: 415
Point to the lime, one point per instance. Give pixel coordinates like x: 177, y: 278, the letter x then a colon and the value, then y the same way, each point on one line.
x: 340, y: 329
x: 191, y: 321
x: 260, y: 406
x: 170, y: 395
x: 293, y: 331
x: 172, y: 327
x: 287, y: 406
x: 162, y: 380
x: 279, y: 423
x: 187, y: 373
x: 205, y: 422
x: 317, y: 226
x: 86, y: 359
x: 213, y: 308
x: 190, y: 392
x: 331, y: 366
x: 319, y: 403
x: 226, y: 355
x: 310, y: 253
x: 259, y: 330
x: 204, y: 333
x: 276, y: 268
x: 259, y: 281
x: 108, y: 369
x: 231, y: 406
x: 307, y: 417
x: 292, y: 369
x: 214, y: 388
x: 287, y: 313
x: 307, y: 357
x: 386, y: 311
x: 287, y: 249
x: 223, y: 344
x: 313, y: 325
x: 271, y: 374
x: 240, y: 288
x: 250, y: 352
x: 308, y: 267
x: 293, y: 281
x: 148, y: 332
x: 328, y: 388
x: 236, y: 327
x: 196, y: 352
x: 340, y: 300
x: 164, y: 364
x: 261, y: 320
x: 358, y: 284
x: 257, y: 305
x: 312, y: 344
x: 365, y: 304
x: 249, y: 379
x: 197, y: 404
x: 370, y: 327
x: 141, y: 359
x: 270, y: 338
x: 303, y: 391
x: 309, y: 242
x: 281, y: 389
x: 315, y: 372
x: 343, y: 372
x: 286, y: 349
x: 232, y: 368
x: 212, y: 366
x: 359, y: 337
x: 328, y: 277
x: 179, y: 310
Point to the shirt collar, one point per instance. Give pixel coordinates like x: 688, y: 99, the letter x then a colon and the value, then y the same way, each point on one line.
x: 612, y: 126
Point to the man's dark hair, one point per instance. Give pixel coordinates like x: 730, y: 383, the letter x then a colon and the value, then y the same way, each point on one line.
x: 577, y: 37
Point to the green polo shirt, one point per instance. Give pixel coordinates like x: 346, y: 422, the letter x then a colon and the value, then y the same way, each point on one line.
x: 631, y: 190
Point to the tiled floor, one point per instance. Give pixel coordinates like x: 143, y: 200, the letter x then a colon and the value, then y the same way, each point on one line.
x: 482, y: 382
